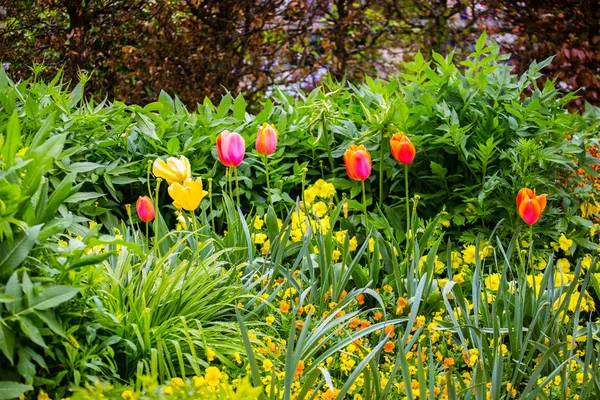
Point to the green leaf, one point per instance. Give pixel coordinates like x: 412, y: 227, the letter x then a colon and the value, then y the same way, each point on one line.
x: 53, y: 296
x: 481, y: 42
x: 11, y: 256
x: 224, y: 106
x: 57, y: 198
x: 84, y: 166
x: 82, y: 196
x: 173, y: 146
x: 92, y: 259
x: 31, y: 331
x: 239, y: 108
x: 12, y: 390
x: 7, y: 341
x: 13, y: 139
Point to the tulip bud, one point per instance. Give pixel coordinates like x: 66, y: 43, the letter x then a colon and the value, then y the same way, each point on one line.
x: 145, y: 208
x: 266, y: 140
x: 358, y: 162
x: 231, y: 148
x: 530, y: 206
x: 402, y: 148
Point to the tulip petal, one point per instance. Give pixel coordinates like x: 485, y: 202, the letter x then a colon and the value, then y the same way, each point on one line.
x: 524, y: 194
x: 530, y: 211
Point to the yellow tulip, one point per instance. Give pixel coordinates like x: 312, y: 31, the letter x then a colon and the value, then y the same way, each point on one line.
x: 174, y: 170
x: 188, y: 195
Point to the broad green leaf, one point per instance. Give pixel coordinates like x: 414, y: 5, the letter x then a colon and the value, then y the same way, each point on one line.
x: 13, y: 254
x: 31, y: 331
x: 82, y: 196
x: 7, y: 341
x: 239, y: 108
x: 53, y: 296
x: 12, y: 390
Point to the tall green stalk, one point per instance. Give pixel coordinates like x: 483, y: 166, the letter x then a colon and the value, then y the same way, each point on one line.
x: 266, y: 160
x: 237, y: 186
x: 381, y: 170
x: 210, y: 205
x: 364, y: 193
x: 407, y: 203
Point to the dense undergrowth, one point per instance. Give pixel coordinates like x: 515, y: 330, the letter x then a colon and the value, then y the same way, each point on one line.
x: 331, y: 291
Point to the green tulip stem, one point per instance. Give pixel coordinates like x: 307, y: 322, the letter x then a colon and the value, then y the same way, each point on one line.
x: 364, y: 193
x: 407, y: 203
x: 381, y: 171
x: 210, y: 205
x: 268, y: 183
x: 237, y: 187
x: 228, y: 183
x: 156, y: 213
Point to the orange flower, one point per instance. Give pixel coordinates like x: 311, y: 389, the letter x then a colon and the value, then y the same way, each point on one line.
x: 530, y: 206
x: 284, y: 306
x: 402, y: 148
x: 389, y: 347
x: 361, y: 299
x: 358, y: 162
x: 266, y: 140
x: 389, y: 330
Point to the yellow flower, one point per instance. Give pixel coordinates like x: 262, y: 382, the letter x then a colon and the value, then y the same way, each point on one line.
x: 212, y: 376
x: 324, y: 189
x: 353, y: 245
x: 336, y: 255
x: 238, y: 358
x: 258, y: 223
x: 177, y: 382
x: 267, y: 365
x: 565, y: 244
x: 586, y: 262
x: 43, y: 396
x: 210, y: 354
x: 468, y: 254
x: 371, y: 245
x: 320, y: 209
x: 127, y: 395
x: 199, y: 381
x: 174, y: 170
x: 492, y: 282
x: 563, y: 265
x: 270, y: 319
x: 188, y: 195
x: 167, y: 390
x: 259, y: 238
x: 456, y: 260
x: 310, y: 194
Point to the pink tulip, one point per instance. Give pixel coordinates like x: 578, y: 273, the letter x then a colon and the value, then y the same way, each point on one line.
x: 145, y: 208
x: 231, y: 148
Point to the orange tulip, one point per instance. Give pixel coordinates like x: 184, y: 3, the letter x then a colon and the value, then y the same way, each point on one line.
x: 358, y: 162
x: 402, y: 148
x: 530, y: 206
x: 266, y: 140
x: 145, y: 208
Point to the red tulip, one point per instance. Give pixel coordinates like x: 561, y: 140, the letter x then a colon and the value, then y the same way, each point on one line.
x: 231, y: 148
x: 530, y: 206
x: 266, y: 140
x: 145, y: 208
x: 402, y: 148
x: 358, y: 162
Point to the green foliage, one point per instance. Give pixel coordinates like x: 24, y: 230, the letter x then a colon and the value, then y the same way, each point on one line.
x: 91, y: 297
